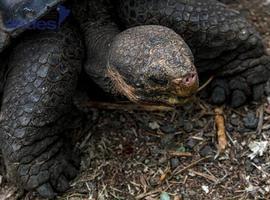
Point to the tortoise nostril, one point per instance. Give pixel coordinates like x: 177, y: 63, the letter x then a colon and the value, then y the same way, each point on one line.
x: 190, y: 79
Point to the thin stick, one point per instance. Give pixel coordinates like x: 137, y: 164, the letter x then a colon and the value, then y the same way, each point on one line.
x: 142, y: 196
x: 126, y: 106
x: 177, y: 171
x: 206, y: 176
x: 205, y: 84
x: 179, y: 154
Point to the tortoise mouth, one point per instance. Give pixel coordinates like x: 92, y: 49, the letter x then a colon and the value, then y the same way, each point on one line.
x: 185, y: 86
x: 178, y: 94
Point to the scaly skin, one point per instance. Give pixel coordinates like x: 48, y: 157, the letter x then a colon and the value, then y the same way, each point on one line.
x: 223, y: 43
x: 146, y: 64
x: 99, y: 30
x: 154, y: 61
x: 42, y: 77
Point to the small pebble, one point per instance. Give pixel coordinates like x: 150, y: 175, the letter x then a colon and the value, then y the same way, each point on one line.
x: 205, y: 189
x: 191, y: 143
x: 243, y: 130
x: 250, y: 121
x: 206, y: 151
x: 164, y: 196
x: 175, y: 162
x: 154, y: 181
x: 188, y: 127
x: 167, y: 140
x: 146, y: 161
x: 154, y: 125
x: 234, y: 120
x: 229, y: 128
x: 256, y: 160
x: 168, y: 128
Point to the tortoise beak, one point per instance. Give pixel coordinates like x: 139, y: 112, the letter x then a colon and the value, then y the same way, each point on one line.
x: 186, y: 86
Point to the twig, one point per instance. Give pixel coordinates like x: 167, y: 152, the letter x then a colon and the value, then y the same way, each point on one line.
x: 206, y: 176
x: 230, y: 138
x: 205, y: 84
x: 126, y: 106
x: 221, y: 131
x: 179, y: 154
x: 165, y: 175
x: 177, y: 171
x: 86, y: 139
x: 142, y: 196
x: 260, y: 169
x: 266, y: 127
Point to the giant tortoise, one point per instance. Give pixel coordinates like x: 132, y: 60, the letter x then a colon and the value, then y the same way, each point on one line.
x: 142, y: 50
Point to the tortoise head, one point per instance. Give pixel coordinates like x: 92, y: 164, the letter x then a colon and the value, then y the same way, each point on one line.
x: 152, y: 65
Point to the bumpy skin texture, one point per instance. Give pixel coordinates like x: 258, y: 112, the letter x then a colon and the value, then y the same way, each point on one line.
x: 154, y: 61
x: 223, y: 43
x: 99, y: 30
x: 147, y: 64
x: 41, y: 81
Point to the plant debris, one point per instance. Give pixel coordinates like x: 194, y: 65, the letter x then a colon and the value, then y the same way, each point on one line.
x: 221, y: 131
x: 257, y: 148
x: 131, y: 152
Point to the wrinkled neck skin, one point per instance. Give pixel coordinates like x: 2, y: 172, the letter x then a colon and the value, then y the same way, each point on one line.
x: 99, y: 31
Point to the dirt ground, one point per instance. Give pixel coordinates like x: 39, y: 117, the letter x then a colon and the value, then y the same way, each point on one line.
x: 174, y: 155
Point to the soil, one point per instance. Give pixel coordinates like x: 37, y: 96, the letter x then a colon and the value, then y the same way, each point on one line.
x: 174, y: 155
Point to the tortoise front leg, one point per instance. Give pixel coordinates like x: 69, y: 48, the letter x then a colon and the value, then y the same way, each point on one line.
x: 43, y: 74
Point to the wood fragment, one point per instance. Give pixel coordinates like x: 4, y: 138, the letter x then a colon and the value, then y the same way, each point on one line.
x: 126, y: 106
x: 142, y: 196
x: 164, y: 175
x: 85, y: 141
x: 221, y: 131
x: 206, y: 176
x: 179, y: 171
x: 179, y: 154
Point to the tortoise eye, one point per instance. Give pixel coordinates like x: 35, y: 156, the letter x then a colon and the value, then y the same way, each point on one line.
x: 159, y: 81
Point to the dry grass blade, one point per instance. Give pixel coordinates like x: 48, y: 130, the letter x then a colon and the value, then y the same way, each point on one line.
x: 179, y: 171
x: 205, y: 84
x: 142, y: 196
x: 206, y: 176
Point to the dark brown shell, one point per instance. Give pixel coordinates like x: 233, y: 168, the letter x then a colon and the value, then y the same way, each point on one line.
x: 16, y: 15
